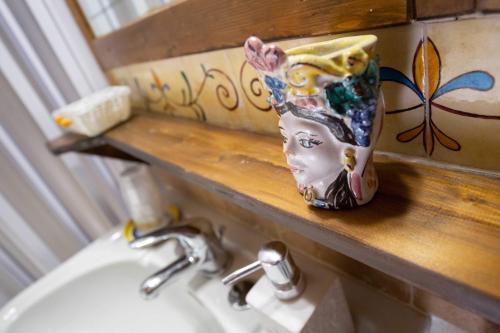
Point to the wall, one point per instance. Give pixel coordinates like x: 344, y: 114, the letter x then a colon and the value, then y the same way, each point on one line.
x: 439, y: 81
x: 50, y: 207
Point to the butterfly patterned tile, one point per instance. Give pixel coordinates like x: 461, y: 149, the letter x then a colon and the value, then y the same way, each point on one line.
x: 404, y: 108
x: 463, y: 93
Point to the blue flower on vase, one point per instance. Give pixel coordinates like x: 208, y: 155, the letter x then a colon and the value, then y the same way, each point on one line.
x: 276, y: 86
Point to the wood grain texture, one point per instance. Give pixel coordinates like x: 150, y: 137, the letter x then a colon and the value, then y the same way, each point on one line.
x: 72, y: 142
x: 467, y: 321
x: 488, y: 5
x: 433, y: 8
x: 199, y: 25
x: 436, y: 228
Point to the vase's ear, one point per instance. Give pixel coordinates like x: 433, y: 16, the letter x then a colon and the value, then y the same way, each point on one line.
x: 262, y: 57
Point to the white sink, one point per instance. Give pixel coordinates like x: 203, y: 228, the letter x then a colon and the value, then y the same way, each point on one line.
x: 98, y: 291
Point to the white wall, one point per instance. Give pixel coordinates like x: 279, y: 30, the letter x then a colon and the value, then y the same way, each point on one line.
x: 50, y: 206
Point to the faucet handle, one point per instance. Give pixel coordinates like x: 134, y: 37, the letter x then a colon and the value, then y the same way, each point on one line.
x: 161, y: 235
x: 279, y: 267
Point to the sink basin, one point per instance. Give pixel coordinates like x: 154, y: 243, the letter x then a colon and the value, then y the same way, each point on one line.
x: 78, y: 306
x: 98, y: 291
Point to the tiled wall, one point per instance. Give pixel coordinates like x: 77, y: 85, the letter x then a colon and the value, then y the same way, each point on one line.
x: 439, y: 82
x: 181, y: 191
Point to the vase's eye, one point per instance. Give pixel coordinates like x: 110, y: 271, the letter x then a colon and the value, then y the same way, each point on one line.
x: 309, y: 143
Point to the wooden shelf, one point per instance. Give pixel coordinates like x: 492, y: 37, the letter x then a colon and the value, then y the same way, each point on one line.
x: 168, y: 32
x: 435, y: 228
x: 71, y: 142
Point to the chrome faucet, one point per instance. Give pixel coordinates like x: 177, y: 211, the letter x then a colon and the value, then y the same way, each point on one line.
x: 279, y: 267
x: 202, y: 250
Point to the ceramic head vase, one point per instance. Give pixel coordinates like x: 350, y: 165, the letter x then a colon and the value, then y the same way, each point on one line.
x: 330, y: 107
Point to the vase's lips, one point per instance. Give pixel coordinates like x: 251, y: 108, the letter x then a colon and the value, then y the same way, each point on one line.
x: 295, y: 169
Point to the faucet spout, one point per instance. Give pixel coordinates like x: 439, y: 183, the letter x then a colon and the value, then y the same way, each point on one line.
x: 162, y: 235
x: 200, y: 246
x: 151, y: 286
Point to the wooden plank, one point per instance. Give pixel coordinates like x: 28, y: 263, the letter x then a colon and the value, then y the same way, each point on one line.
x: 72, y: 142
x: 488, y: 5
x: 438, y: 229
x: 199, y: 25
x: 433, y: 8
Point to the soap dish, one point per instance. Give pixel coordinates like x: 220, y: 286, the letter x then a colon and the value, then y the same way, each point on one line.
x: 95, y: 113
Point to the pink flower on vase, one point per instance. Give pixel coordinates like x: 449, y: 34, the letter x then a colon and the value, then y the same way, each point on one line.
x: 266, y: 58
x: 310, y: 102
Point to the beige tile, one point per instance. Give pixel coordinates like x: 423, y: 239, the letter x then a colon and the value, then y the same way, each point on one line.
x: 124, y: 76
x: 474, y: 123
x: 162, y: 86
x: 128, y: 75
x: 396, y: 47
x: 260, y: 116
x: 214, y: 89
x: 459, y: 317
x: 118, y: 75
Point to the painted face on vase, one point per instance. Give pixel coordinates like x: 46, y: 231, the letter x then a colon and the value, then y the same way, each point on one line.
x: 324, y: 159
x: 330, y: 117
x: 311, y: 152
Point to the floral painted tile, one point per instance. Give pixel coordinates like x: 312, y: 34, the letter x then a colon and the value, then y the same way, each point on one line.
x: 159, y: 86
x: 123, y: 76
x: 438, y: 80
x: 463, y: 118
x: 404, y: 108
x: 212, y: 86
x: 200, y: 87
x: 260, y: 115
